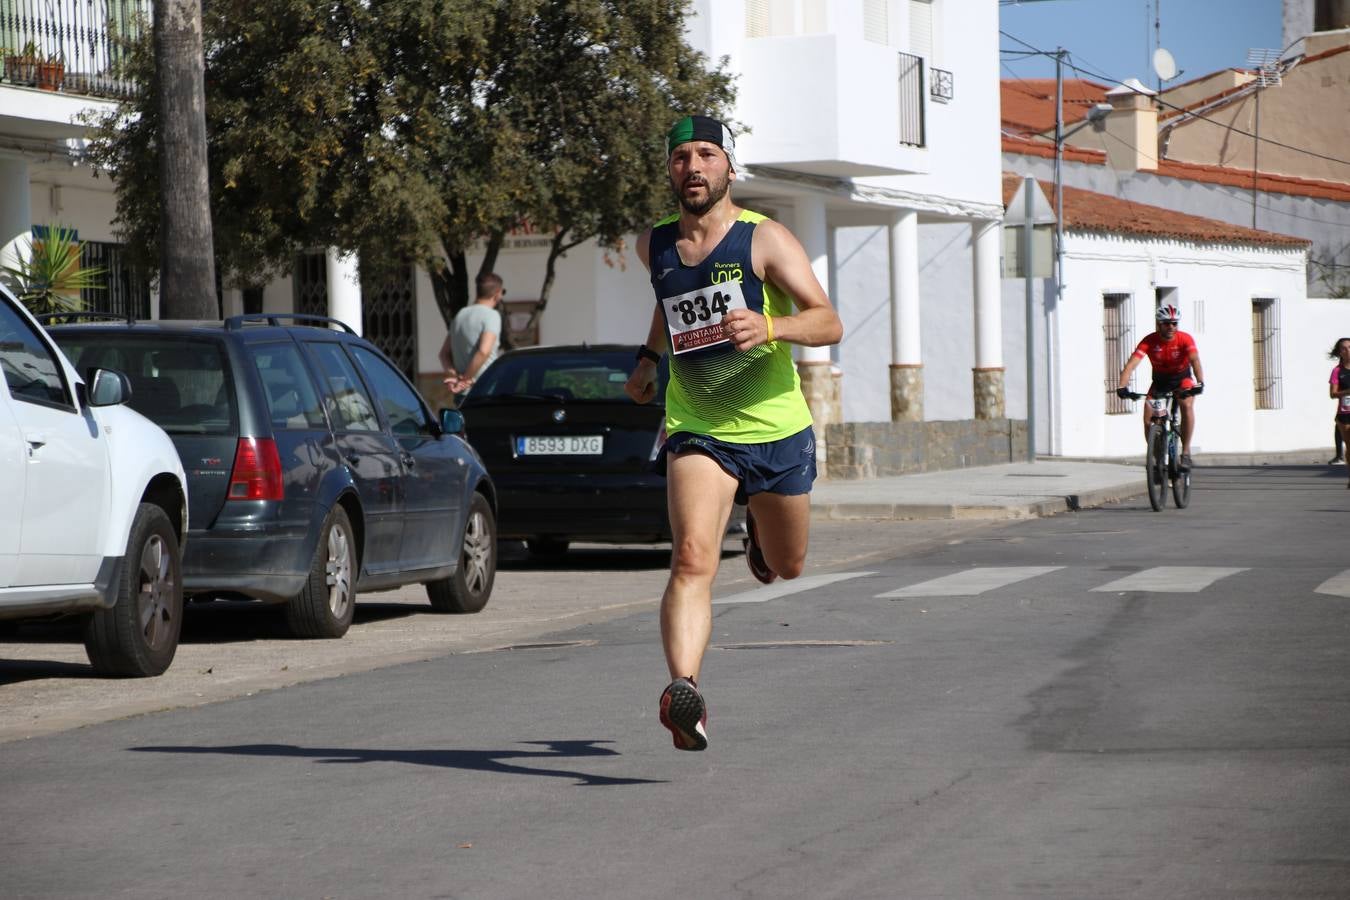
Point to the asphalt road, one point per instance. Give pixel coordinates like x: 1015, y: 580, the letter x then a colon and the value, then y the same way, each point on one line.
x: 1110, y: 703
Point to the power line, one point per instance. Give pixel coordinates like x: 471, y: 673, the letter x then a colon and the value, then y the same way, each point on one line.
x: 1083, y: 70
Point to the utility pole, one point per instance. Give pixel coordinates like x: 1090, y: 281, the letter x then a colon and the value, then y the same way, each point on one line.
x: 1028, y: 226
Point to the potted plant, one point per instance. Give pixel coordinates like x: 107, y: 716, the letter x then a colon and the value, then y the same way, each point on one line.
x: 50, y: 72
x: 21, y: 67
x: 51, y: 277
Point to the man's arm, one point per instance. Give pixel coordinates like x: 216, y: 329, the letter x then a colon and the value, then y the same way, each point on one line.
x: 779, y: 259
x: 1198, y: 369
x: 451, y: 378
x: 641, y: 384
x: 486, y: 341
x: 1130, y: 365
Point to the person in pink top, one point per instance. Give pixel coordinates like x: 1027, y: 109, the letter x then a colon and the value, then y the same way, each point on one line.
x: 1340, y: 387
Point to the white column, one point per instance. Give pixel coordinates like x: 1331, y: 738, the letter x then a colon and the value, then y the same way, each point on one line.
x: 811, y: 231
x: 904, y: 240
x: 986, y: 236
x: 344, y: 288
x: 16, y: 212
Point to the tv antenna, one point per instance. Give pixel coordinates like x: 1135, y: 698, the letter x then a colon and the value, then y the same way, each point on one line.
x: 1267, y: 66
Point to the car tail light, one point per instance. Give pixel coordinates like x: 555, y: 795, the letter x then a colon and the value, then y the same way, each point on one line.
x: 257, y: 471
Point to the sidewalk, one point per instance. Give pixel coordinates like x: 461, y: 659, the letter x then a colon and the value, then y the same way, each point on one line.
x: 1018, y: 490
x: 1008, y: 491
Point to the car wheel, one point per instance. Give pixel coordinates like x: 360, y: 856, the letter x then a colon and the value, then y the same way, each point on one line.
x: 138, y: 635
x: 468, y: 589
x: 324, y: 607
x: 546, y: 548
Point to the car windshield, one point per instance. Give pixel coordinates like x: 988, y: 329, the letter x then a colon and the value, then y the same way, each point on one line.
x: 180, y: 384
x: 580, y: 375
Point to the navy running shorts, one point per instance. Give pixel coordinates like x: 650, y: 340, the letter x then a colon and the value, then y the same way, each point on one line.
x: 785, y: 466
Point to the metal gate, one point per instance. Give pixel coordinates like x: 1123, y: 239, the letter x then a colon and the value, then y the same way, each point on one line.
x: 388, y: 307
x: 389, y: 318
x: 125, y: 291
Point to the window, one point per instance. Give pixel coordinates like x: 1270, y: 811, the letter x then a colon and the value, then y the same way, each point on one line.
x: 911, y: 99
x: 921, y: 32
x: 1266, y: 353
x: 876, y: 21
x: 291, y: 397
x: 402, y: 407
x: 772, y: 18
x: 30, y: 367
x: 345, y: 395
x: 125, y: 291
x: 1119, y: 342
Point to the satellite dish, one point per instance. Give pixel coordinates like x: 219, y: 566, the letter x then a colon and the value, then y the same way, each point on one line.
x: 1164, y: 66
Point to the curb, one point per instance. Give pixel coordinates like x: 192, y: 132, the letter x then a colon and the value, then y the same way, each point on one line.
x: 1030, y: 510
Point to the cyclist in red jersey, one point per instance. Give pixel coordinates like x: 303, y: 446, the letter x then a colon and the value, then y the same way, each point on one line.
x: 1174, y: 357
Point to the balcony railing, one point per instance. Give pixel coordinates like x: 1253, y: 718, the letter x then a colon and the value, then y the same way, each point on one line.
x: 942, y: 89
x: 70, y: 45
x: 911, y: 99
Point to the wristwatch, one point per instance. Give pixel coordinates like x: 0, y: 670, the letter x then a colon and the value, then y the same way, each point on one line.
x: 644, y: 352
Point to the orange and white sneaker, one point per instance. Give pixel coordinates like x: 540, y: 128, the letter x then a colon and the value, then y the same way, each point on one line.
x: 685, y: 714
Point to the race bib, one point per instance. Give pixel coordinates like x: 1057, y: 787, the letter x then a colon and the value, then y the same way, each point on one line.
x: 695, y: 319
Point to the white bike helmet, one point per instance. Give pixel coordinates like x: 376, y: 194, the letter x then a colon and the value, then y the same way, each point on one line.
x: 1168, y: 313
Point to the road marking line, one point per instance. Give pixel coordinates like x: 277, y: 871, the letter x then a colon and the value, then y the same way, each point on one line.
x: 1336, y: 585
x: 784, y: 588
x: 1170, y: 579
x: 970, y: 582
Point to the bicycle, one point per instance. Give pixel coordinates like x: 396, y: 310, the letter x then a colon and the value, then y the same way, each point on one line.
x: 1162, y: 464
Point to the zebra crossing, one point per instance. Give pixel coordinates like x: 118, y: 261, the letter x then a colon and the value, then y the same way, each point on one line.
x: 978, y: 580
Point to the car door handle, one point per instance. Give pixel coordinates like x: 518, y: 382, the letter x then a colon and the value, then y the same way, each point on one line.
x: 36, y: 441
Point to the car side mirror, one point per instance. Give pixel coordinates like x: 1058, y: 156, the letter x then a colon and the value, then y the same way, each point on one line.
x: 109, y: 387
x: 452, y: 421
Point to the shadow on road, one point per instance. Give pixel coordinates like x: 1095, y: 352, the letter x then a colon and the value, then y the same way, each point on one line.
x: 470, y: 760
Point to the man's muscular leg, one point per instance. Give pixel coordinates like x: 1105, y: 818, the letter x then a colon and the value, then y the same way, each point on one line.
x: 782, y: 526
x: 699, y: 494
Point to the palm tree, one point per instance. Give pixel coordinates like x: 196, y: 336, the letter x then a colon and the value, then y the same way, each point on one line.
x: 51, y: 277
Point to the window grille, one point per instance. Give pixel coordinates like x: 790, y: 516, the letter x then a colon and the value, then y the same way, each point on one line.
x: 943, y: 88
x: 911, y: 100
x: 309, y: 286
x: 125, y: 292
x: 1266, y: 353
x: 389, y: 318
x: 1119, y: 342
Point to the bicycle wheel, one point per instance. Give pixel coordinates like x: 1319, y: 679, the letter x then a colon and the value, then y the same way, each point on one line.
x: 1181, y: 483
x: 1155, y: 467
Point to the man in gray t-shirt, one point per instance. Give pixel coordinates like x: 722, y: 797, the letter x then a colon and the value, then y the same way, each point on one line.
x: 475, y: 336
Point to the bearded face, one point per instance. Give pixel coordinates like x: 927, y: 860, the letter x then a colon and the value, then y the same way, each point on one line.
x: 700, y: 175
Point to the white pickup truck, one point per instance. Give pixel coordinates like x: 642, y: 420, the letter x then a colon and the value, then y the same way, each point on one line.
x: 93, y: 504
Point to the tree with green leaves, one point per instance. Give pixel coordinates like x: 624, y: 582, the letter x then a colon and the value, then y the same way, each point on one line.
x: 421, y: 130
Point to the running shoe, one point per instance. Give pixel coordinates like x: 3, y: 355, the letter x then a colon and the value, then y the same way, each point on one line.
x: 685, y: 714
x: 754, y: 557
x: 1185, y: 462
x: 1336, y: 460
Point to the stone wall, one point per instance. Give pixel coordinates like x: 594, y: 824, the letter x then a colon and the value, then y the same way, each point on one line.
x: 878, y: 449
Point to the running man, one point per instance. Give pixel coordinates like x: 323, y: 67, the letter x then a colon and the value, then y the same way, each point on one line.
x: 1174, y: 357
x: 734, y: 289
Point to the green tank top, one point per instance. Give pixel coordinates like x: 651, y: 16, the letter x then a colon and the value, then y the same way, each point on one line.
x: 742, y: 398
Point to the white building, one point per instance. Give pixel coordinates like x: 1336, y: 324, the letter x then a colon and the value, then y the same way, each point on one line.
x: 1242, y: 294
x: 872, y: 132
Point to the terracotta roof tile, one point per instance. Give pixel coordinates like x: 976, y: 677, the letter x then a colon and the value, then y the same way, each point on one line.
x: 1028, y: 104
x: 1091, y: 211
x: 1265, y: 181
